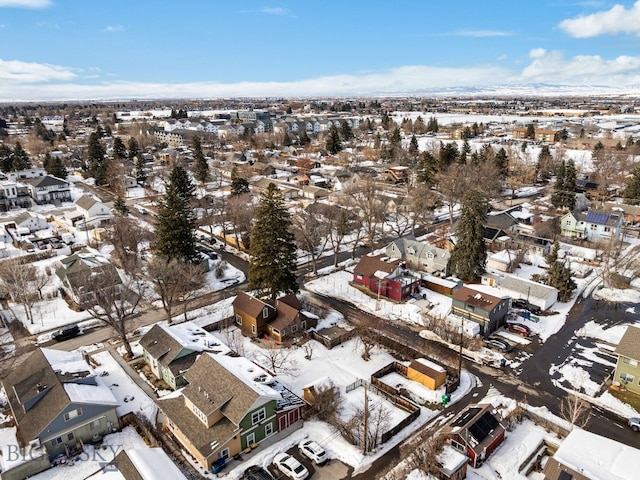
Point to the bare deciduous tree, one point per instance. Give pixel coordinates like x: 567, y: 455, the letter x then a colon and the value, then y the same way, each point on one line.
x: 277, y: 360
x: 575, y: 410
x: 367, y: 340
x: 310, y: 233
x: 127, y: 237
x: 339, y: 227
x: 112, y: 302
x: 24, y: 284
x: 365, y: 198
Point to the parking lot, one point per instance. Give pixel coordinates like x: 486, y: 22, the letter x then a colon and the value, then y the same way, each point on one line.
x: 332, y: 470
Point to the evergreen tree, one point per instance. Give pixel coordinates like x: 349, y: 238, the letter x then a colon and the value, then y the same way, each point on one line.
x: 396, y: 138
x: 134, y: 149
x: 464, y: 152
x: 413, y: 145
x: 544, y: 164
x: 501, y: 161
x: 200, y: 165
x: 570, y: 183
x: 347, y: 132
x: 632, y: 191
x: 304, y: 138
x: 6, y: 158
x: 333, y: 144
x: 97, y: 164
x: 272, y: 268
x: 559, y: 275
x: 531, y: 132
x: 119, y: 149
x: 469, y: 256
x: 286, y: 140
x: 427, y: 169
x: 448, y: 154
x: 432, y: 125
x: 119, y: 206
x: 55, y: 167
x: 239, y: 186
x: 141, y: 174
x: 557, y: 198
x: 176, y: 221
x: 21, y: 160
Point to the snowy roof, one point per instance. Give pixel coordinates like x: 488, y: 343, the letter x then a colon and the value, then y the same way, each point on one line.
x: 450, y: 459
x: 194, y: 337
x: 250, y: 374
x: 430, y: 364
x: 153, y: 464
x: 598, y: 457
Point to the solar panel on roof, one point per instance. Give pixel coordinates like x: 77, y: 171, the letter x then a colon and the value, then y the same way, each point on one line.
x: 483, y: 427
x: 597, y: 217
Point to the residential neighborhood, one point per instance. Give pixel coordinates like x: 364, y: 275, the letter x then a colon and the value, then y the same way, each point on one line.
x: 397, y: 288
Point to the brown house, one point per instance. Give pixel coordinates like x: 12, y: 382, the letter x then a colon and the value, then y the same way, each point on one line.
x: 476, y: 432
x: 282, y: 322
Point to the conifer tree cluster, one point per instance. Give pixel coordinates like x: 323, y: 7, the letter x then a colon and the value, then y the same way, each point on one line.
x: 176, y: 221
x: 200, y: 165
x: 632, y: 190
x: 333, y: 144
x: 469, y: 256
x: 54, y: 166
x: 559, y: 275
x: 564, y: 189
x: 272, y: 268
x: 97, y: 163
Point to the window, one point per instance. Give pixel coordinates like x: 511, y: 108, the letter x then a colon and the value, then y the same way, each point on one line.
x: 259, y: 416
x: 276, y: 331
x: 303, y: 325
x: 265, y: 312
x: 238, y: 319
x: 593, y: 227
x: 629, y: 361
x: 224, y: 454
x: 251, y: 439
x: 607, y: 229
x: 253, y: 329
x: 72, y: 414
x: 94, y: 425
x: 294, y: 328
x: 626, y: 378
x: 70, y: 436
x: 268, y: 429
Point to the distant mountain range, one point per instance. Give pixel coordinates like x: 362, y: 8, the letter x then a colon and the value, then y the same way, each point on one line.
x: 522, y: 90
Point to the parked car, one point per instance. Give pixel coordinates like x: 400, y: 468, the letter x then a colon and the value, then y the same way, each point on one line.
x: 66, y: 333
x: 290, y: 467
x: 518, y: 328
x: 525, y: 305
x: 498, y: 344
x: 313, y: 451
x: 634, y: 423
x: 256, y: 473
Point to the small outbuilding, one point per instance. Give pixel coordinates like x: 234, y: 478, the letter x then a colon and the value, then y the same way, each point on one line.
x: 427, y: 373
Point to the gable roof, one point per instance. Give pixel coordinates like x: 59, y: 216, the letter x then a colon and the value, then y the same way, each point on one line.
x: 48, y: 382
x: 250, y: 305
x: 424, y: 250
x: 602, y: 218
x: 369, y: 265
x: 629, y: 345
x: 476, y: 298
x: 164, y: 343
x: 476, y: 425
x: 85, y: 202
x: 147, y: 464
x: 47, y: 181
x: 226, y: 383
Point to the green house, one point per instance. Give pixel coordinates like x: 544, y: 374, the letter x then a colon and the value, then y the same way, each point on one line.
x: 627, y: 371
x: 229, y: 405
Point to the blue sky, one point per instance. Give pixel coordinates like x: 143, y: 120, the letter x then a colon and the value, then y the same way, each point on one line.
x: 90, y: 49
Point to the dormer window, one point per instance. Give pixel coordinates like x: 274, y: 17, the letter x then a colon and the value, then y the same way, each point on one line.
x: 265, y: 312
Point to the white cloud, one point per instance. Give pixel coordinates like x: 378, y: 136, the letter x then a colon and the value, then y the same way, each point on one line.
x: 552, y: 67
x: 113, y: 28
x: 482, y: 33
x: 617, y: 19
x: 25, y: 72
x: 17, y: 80
x: 25, y: 3
x: 278, y: 11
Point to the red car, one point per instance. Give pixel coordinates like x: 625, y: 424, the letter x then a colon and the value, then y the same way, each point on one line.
x: 518, y: 328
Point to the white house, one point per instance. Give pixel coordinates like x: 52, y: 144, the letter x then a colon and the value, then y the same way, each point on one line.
x: 535, y: 293
x: 93, y: 212
x: 593, y: 226
x: 49, y: 189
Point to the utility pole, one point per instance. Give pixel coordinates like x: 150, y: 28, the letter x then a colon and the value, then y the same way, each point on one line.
x: 366, y: 408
